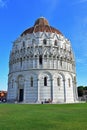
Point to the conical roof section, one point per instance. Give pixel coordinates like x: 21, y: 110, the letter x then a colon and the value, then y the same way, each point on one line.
x: 41, y: 25
x: 41, y: 22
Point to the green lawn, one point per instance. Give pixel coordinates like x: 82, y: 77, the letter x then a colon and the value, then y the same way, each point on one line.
x: 43, y: 116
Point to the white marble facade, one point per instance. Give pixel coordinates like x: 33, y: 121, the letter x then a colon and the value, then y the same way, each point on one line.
x: 42, y: 67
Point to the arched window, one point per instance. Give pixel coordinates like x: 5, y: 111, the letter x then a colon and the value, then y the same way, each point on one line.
x: 31, y: 81
x: 44, y: 42
x: 45, y: 58
x: 75, y: 80
x: 23, y: 44
x: 21, y: 50
x: 55, y: 42
x: 33, y: 41
x: 21, y: 62
x: 61, y: 62
x: 12, y: 83
x: 40, y: 59
x: 45, y: 81
x: 69, y: 82
x: 58, y: 81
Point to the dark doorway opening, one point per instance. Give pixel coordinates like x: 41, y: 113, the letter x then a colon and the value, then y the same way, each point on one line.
x: 40, y: 59
x: 21, y: 95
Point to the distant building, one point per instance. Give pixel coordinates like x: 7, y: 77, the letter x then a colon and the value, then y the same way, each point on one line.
x: 85, y: 95
x: 3, y: 95
x: 42, y: 66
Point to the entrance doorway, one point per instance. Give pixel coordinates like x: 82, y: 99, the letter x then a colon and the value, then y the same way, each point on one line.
x: 21, y: 95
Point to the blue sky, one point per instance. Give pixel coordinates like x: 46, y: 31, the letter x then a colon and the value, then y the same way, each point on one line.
x: 69, y: 16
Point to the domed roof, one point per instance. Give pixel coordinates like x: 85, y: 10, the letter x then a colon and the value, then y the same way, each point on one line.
x: 41, y: 25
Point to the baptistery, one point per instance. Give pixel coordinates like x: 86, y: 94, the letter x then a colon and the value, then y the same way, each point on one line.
x: 42, y: 66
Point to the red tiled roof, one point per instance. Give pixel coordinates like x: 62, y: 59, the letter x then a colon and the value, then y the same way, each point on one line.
x: 41, y: 25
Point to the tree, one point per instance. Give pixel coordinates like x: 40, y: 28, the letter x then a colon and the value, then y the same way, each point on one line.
x: 85, y: 88
x: 80, y: 91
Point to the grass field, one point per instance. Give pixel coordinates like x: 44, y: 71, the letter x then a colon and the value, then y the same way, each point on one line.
x: 43, y: 116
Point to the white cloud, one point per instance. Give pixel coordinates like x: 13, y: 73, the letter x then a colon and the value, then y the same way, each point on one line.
x: 3, y: 3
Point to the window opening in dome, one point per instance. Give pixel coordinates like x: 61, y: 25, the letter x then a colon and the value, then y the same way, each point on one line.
x: 64, y: 47
x: 45, y: 81
x: 33, y: 41
x: 61, y: 62
x: 21, y: 62
x: 44, y: 42
x: 58, y: 81
x: 55, y: 42
x: 40, y: 59
x: 45, y: 58
x: 31, y: 81
x: 23, y: 44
